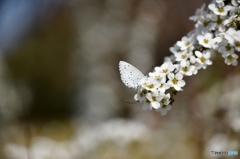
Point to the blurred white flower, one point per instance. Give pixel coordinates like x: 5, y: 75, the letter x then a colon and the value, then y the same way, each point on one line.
x: 125, y: 131
x: 218, y: 22
x: 226, y: 48
x: 231, y: 59
x: 163, y: 110
x: 219, y: 9
x: 199, y: 12
x: 235, y: 3
x: 204, y: 23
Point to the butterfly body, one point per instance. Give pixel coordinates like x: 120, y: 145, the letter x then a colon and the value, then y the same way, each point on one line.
x: 130, y: 75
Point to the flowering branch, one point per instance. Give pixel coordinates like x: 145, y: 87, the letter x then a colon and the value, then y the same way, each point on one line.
x: 216, y: 30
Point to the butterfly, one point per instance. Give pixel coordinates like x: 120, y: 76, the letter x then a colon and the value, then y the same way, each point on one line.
x: 130, y: 75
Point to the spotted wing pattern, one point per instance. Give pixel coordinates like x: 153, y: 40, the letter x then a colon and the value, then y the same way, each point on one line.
x: 130, y: 75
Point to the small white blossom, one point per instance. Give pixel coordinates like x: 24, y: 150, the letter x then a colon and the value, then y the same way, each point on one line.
x: 156, y: 75
x: 147, y: 106
x: 165, y: 104
x: 141, y: 95
x: 203, y: 58
x: 232, y: 33
x: 163, y: 85
x: 218, y: 22
x: 186, y: 68
x: 231, y: 59
x: 175, y: 80
x: 153, y: 101
x: 185, y: 43
x: 181, y: 57
x: 170, y: 58
x: 219, y: 1
x: 198, y: 13
x: 226, y: 48
x: 163, y: 110
x: 217, y: 41
x: 143, y: 82
x: 166, y: 68
x: 228, y: 20
x: 204, y: 23
x: 151, y: 84
x: 166, y: 99
x: 229, y: 36
x: 195, y: 64
x: 219, y: 9
x: 175, y: 49
x: 235, y: 3
x: 237, y: 45
x: 206, y: 40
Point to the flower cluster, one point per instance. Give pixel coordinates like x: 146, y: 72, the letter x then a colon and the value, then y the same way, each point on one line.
x: 216, y: 30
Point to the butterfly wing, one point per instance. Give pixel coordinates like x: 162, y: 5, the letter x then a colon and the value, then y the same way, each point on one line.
x: 130, y: 75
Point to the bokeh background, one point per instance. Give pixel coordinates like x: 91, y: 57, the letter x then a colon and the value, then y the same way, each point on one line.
x: 61, y: 96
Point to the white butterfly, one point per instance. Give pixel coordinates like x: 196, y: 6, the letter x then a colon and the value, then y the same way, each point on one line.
x: 130, y: 75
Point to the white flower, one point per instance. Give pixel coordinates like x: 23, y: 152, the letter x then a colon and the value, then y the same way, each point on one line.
x: 237, y: 45
x: 218, y: 40
x: 219, y: 9
x: 143, y: 82
x: 163, y: 110
x: 175, y: 80
x: 185, y: 43
x: 166, y: 99
x: 163, y: 85
x: 235, y: 2
x: 156, y: 75
x: 229, y: 20
x: 175, y: 49
x: 186, y: 68
x: 231, y: 59
x: 170, y: 58
x: 226, y: 48
x: 153, y: 101
x: 204, y: 23
x: 219, y: 22
x: 203, y: 58
x: 229, y: 35
x: 233, y: 39
x: 141, y: 95
x: 147, y: 106
x: 166, y: 68
x: 206, y: 40
x: 231, y: 32
x: 198, y: 13
x: 165, y: 104
x: 219, y: 1
x: 182, y: 56
x: 195, y: 64
x: 151, y: 84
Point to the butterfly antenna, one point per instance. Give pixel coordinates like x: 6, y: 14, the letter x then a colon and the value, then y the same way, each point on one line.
x: 128, y: 102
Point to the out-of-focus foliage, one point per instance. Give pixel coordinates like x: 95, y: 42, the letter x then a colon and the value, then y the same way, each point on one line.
x: 61, y: 95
